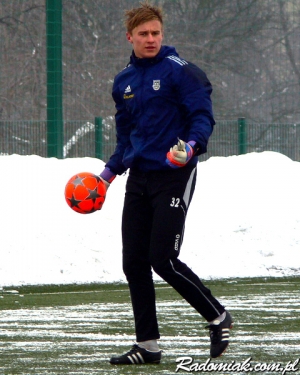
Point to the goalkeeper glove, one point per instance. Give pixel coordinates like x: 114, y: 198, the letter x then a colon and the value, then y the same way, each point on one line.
x: 180, y: 154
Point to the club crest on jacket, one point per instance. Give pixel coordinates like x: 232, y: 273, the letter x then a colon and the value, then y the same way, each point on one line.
x: 156, y: 84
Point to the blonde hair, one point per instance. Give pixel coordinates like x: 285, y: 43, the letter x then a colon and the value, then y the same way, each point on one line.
x: 146, y: 12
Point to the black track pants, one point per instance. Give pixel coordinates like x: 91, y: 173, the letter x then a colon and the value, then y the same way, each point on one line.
x: 153, y: 221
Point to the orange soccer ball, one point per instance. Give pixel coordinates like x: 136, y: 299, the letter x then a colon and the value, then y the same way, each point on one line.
x: 85, y: 193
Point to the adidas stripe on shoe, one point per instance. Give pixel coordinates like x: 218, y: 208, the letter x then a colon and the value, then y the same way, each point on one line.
x: 137, y: 356
x: 219, y: 335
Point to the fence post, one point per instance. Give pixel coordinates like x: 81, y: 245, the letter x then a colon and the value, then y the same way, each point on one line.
x: 242, y: 135
x: 98, y: 138
x: 54, y: 78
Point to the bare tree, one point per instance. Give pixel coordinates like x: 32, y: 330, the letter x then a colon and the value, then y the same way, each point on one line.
x: 22, y: 28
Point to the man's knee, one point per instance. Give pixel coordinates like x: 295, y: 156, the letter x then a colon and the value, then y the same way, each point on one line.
x: 136, y: 270
x: 160, y: 266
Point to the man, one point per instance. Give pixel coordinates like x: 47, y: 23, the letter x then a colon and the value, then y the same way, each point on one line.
x: 163, y: 121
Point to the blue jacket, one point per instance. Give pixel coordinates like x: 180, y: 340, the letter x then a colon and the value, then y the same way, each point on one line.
x: 159, y: 100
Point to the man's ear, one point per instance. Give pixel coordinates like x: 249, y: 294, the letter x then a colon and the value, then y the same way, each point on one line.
x: 129, y: 37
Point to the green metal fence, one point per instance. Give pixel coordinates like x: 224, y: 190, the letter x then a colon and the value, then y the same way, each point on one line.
x: 96, y: 138
x: 242, y: 136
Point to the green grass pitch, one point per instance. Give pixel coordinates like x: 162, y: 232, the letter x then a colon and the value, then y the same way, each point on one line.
x: 75, y: 329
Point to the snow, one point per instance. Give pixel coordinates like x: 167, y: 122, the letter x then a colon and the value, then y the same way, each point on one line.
x: 244, y: 221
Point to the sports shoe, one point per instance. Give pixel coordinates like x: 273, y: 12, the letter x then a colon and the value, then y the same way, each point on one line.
x: 137, y: 356
x: 219, y: 335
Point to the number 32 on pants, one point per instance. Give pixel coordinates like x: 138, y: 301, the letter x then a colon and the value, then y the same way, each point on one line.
x: 175, y: 202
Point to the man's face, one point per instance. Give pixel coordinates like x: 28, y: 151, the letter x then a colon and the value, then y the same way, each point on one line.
x: 146, y: 39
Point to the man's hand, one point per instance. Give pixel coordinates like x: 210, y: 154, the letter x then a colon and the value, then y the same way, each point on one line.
x: 180, y: 154
x: 107, y: 177
x: 107, y: 184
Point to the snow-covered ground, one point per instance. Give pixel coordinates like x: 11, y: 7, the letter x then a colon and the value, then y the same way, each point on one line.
x: 244, y: 221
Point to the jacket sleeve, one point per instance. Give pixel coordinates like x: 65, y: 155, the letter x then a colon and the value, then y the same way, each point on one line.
x: 123, y: 129
x: 195, y: 91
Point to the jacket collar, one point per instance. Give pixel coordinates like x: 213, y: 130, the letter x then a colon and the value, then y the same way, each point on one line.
x: 164, y: 51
